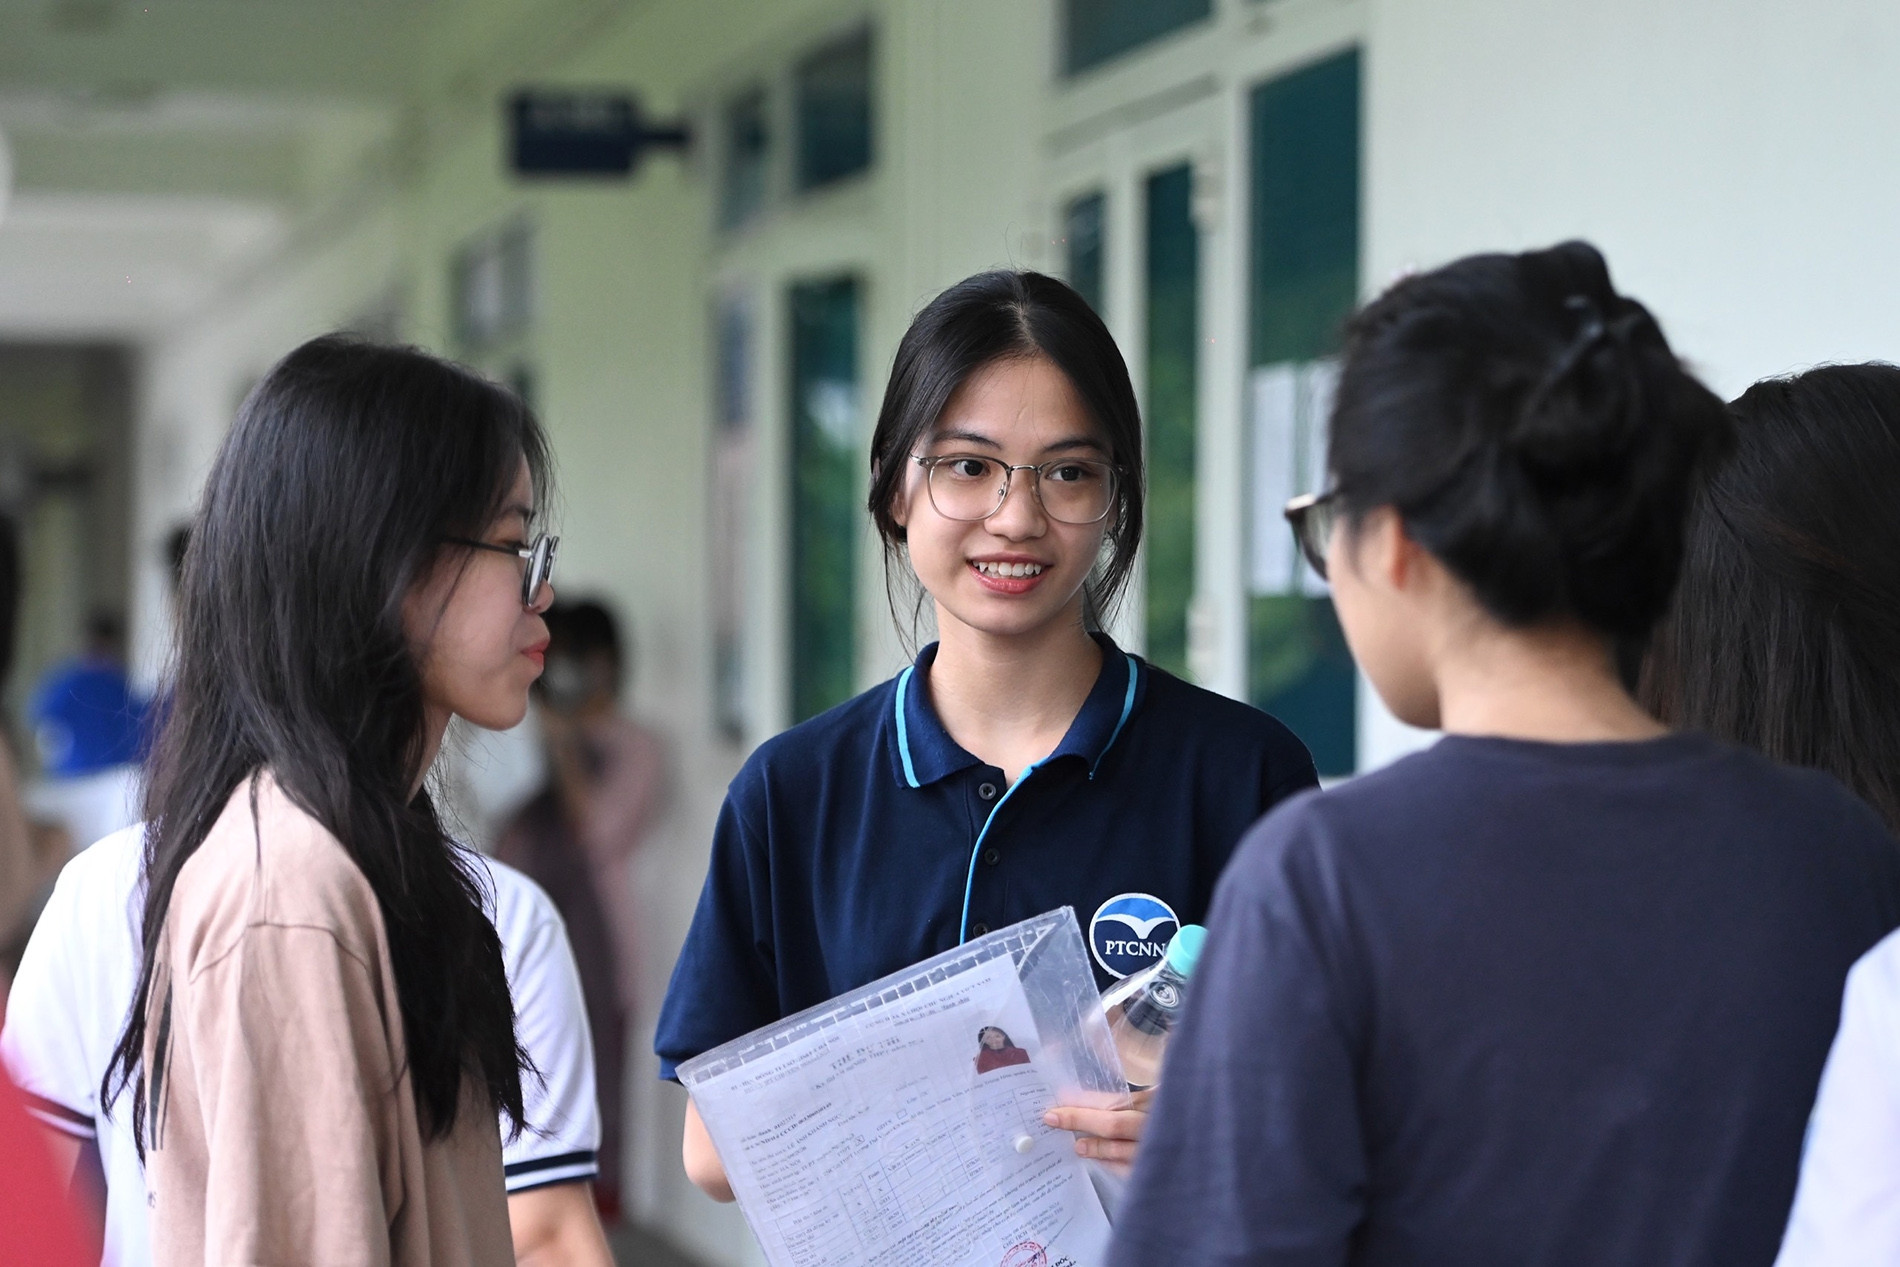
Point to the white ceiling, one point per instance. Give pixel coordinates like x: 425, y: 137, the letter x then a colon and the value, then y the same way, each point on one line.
x: 178, y: 141
x: 162, y: 148
x: 122, y: 266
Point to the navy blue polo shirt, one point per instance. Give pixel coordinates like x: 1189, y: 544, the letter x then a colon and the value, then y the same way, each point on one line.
x: 866, y: 839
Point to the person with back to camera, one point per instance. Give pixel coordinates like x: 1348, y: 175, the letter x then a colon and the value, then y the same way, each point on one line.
x: 1557, y: 990
x: 322, y: 1032
x: 24, y: 846
x: 90, y: 728
x: 1784, y: 636
x: 1024, y: 762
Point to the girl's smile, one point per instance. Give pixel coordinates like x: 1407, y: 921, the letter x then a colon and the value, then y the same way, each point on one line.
x: 1009, y: 573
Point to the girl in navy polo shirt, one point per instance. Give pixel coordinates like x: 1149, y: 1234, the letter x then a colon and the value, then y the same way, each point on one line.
x: 1024, y: 762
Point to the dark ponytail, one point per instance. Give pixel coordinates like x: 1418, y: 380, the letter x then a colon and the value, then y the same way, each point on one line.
x: 348, y: 467
x: 1785, y: 632
x: 1533, y: 430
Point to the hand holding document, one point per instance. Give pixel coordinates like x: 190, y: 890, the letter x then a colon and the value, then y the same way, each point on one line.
x: 902, y: 1124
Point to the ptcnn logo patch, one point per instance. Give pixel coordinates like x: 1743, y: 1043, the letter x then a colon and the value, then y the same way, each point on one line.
x: 1130, y: 931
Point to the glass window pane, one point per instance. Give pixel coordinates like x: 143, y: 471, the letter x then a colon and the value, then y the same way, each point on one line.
x: 1304, y: 280
x: 742, y: 187
x: 1173, y: 346
x: 834, y: 112
x: 826, y: 489
x: 1082, y: 231
x: 1305, y: 210
x: 1093, y: 31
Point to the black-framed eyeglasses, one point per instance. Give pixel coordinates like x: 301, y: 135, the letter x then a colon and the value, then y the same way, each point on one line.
x: 1314, y: 516
x: 540, y: 557
x: 969, y: 487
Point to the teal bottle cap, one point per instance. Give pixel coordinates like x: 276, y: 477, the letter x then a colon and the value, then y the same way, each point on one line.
x: 1185, y: 950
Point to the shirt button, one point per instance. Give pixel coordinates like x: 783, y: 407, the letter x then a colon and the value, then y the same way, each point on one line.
x: 977, y: 930
x: 991, y: 857
x: 986, y: 790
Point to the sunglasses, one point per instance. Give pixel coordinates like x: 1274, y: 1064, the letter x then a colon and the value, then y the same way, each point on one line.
x: 1314, y: 516
x: 540, y: 557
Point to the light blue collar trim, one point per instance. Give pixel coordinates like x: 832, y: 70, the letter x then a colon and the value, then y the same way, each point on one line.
x: 969, y: 878
x: 976, y: 850
x: 903, y: 728
x: 1128, y: 706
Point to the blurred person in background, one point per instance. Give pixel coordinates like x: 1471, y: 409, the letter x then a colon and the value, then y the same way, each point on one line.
x: 90, y: 729
x: 577, y: 837
x: 28, y: 856
x: 486, y: 776
x: 1785, y: 636
x: 1558, y: 989
x: 321, y: 1033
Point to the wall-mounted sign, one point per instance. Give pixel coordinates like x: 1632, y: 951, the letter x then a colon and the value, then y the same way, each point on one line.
x: 574, y: 132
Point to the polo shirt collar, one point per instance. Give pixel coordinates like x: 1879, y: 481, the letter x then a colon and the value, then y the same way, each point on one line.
x: 924, y: 752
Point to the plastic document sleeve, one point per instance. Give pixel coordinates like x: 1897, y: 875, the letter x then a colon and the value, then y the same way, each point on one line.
x: 902, y: 1123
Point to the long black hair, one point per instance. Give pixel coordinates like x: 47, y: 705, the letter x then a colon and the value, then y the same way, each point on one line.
x: 1534, y: 432
x: 1002, y: 316
x: 1785, y: 632
x: 348, y: 467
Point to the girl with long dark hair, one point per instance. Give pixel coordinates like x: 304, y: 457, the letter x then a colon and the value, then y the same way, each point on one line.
x: 1785, y: 636
x: 1024, y: 761
x: 322, y: 1032
x: 1556, y: 990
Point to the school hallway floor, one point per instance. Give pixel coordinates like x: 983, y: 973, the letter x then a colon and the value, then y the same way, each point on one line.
x: 635, y: 1248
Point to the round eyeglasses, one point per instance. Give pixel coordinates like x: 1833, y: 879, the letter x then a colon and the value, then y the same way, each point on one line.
x: 540, y: 557
x: 970, y: 487
x: 1314, y: 516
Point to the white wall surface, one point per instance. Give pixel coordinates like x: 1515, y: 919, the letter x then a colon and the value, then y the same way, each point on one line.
x: 1735, y: 162
x: 193, y: 376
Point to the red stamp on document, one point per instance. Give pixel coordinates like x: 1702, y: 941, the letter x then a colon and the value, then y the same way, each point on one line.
x: 1026, y: 1254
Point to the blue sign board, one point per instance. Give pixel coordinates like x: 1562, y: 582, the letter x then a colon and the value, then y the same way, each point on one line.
x: 564, y: 132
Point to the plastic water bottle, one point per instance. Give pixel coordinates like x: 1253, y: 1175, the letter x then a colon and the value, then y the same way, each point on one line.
x: 1142, y: 1008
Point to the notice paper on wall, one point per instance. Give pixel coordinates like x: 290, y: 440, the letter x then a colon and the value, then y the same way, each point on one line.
x: 902, y: 1123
